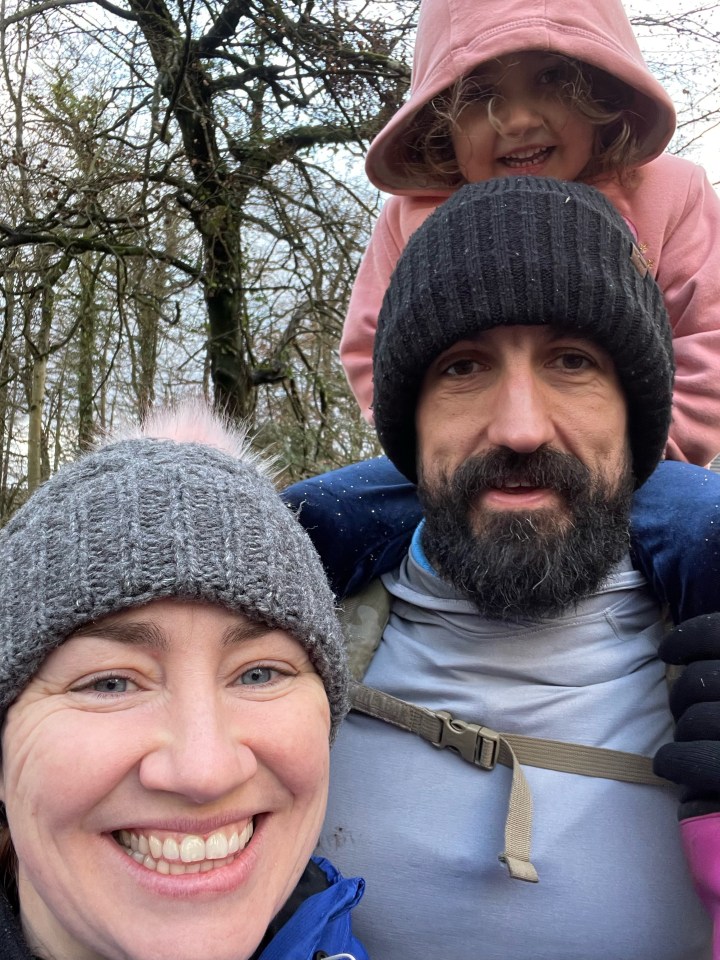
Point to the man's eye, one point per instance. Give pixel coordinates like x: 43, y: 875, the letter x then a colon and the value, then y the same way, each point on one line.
x: 461, y: 368
x: 574, y: 361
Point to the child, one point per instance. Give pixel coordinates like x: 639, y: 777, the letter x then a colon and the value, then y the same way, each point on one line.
x: 500, y: 91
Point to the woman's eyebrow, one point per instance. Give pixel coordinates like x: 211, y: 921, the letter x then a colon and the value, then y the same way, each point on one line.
x: 145, y: 634
x: 140, y: 633
x: 244, y: 632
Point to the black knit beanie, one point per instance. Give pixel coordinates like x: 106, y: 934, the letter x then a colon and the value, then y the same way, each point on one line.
x: 530, y: 251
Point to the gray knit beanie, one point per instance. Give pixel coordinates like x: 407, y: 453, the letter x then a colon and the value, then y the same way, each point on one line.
x: 524, y: 250
x: 142, y: 519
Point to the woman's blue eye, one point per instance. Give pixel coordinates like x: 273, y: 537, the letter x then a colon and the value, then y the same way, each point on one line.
x: 257, y: 675
x: 111, y: 685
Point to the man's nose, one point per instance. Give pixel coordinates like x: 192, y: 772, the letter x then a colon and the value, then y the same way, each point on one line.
x: 199, y: 751
x: 519, y: 414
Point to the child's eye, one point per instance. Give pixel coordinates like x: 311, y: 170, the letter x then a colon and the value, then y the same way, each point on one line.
x: 552, y: 76
x: 474, y: 88
x: 483, y: 93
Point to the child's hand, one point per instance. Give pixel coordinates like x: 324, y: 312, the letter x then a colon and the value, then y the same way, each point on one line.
x: 693, y: 760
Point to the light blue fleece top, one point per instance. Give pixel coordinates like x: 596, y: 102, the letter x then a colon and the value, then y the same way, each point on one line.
x: 424, y: 828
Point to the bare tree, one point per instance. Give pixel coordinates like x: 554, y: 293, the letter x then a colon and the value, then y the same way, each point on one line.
x: 202, y: 104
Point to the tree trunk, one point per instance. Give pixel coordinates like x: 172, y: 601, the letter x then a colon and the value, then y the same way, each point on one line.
x: 35, y: 412
x: 37, y: 391
x: 86, y: 352
x: 230, y: 369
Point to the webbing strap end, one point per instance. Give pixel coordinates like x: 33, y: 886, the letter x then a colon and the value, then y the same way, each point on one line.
x: 519, y: 869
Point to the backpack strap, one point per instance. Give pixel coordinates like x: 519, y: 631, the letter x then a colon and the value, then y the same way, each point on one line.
x: 484, y: 748
x: 365, y: 617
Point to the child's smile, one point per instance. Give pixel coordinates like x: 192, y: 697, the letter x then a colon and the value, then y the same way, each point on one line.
x: 532, y: 157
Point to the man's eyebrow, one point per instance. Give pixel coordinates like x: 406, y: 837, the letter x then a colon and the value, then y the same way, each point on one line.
x: 140, y: 633
x: 578, y: 335
x: 244, y: 632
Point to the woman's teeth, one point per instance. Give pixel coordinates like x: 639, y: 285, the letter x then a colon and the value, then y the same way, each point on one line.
x: 185, y: 853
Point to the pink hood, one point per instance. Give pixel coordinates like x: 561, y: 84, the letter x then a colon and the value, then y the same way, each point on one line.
x: 455, y: 36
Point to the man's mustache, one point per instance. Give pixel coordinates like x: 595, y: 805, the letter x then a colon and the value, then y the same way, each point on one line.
x: 544, y: 467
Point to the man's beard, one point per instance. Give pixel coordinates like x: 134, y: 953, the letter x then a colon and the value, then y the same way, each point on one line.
x: 526, y: 564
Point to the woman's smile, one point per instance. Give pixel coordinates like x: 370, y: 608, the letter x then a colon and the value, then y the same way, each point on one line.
x: 178, y: 854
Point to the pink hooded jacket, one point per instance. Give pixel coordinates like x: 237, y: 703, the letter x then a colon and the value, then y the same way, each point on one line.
x: 671, y: 206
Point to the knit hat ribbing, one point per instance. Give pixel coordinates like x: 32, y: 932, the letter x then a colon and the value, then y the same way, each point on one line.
x: 523, y: 251
x: 144, y: 519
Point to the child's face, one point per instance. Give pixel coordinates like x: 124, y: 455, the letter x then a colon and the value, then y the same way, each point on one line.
x: 534, y: 127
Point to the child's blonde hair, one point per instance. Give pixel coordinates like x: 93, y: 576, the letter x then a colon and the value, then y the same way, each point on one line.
x: 600, y: 98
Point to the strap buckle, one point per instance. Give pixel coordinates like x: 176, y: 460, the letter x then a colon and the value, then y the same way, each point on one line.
x: 476, y: 744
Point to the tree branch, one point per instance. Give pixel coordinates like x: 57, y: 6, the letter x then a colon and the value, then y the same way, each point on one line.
x: 224, y: 26
x: 13, y: 238
x: 60, y: 4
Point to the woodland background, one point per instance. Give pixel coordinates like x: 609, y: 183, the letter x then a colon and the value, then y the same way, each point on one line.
x: 183, y: 208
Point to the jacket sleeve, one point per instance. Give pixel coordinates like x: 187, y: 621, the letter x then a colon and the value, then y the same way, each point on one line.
x: 400, y: 216
x: 361, y: 519
x: 676, y: 537
x: 689, y: 276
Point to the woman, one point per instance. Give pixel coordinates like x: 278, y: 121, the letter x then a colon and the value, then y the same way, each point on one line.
x: 171, y: 677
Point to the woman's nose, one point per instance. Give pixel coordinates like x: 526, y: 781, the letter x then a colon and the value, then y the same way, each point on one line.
x: 199, y: 753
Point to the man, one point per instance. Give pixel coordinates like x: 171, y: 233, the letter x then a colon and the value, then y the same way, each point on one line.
x: 523, y: 377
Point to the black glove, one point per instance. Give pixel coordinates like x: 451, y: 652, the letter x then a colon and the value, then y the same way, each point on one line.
x: 693, y: 760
